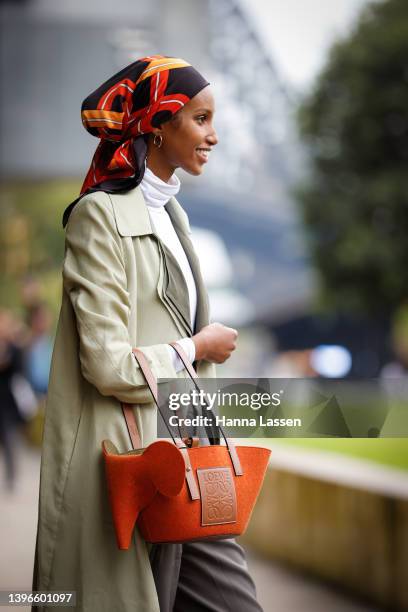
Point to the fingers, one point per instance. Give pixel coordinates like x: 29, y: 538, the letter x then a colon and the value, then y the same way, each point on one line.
x: 222, y: 341
x: 234, y: 333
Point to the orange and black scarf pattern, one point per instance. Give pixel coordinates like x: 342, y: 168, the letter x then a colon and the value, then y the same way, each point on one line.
x: 124, y: 109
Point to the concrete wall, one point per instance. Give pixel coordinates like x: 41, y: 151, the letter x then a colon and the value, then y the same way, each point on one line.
x: 354, y: 538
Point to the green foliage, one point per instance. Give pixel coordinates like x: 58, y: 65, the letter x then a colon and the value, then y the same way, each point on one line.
x: 392, y: 452
x: 355, y: 126
x: 32, y: 237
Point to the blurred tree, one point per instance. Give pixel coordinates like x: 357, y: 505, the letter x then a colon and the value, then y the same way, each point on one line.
x: 354, y: 201
x: 32, y: 237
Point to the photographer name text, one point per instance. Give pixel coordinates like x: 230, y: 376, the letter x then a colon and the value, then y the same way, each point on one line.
x: 223, y: 421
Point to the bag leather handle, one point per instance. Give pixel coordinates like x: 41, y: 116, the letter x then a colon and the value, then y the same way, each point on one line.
x: 194, y: 376
x: 152, y: 384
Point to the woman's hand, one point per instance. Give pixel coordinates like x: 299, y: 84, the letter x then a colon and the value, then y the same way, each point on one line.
x: 215, y: 342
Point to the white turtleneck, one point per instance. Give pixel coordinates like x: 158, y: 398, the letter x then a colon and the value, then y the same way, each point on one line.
x: 156, y: 194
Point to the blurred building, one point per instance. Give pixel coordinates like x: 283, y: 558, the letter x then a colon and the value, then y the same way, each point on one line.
x: 55, y: 53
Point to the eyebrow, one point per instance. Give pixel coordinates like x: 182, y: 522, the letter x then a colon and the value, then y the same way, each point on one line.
x: 203, y: 110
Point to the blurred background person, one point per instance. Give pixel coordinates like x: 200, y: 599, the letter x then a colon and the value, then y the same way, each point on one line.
x: 38, y: 348
x: 10, y: 415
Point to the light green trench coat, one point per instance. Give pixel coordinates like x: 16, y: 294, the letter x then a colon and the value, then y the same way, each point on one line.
x: 122, y: 288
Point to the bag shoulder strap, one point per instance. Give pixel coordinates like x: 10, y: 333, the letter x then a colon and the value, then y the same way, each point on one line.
x: 128, y: 408
x: 132, y: 425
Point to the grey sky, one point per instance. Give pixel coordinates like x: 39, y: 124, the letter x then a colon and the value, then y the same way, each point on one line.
x: 299, y: 32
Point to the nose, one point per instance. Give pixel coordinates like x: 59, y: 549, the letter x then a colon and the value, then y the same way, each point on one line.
x: 212, y: 137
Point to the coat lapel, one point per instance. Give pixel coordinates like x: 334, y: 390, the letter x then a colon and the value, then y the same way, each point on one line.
x: 132, y: 219
x: 181, y: 225
x: 175, y: 290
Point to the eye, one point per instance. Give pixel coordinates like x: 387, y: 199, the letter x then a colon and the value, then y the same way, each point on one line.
x: 201, y: 118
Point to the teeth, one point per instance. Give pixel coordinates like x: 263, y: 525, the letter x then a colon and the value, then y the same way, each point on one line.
x: 204, y: 152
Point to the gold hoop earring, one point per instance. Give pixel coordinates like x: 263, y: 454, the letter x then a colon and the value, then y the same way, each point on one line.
x: 160, y: 142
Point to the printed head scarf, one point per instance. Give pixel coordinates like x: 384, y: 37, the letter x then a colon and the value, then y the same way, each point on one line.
x: 124, y: 109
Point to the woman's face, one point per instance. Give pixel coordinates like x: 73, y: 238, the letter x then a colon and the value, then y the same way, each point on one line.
x: 189, y: 136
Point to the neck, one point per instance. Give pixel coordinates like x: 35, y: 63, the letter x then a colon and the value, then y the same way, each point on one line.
x: 157, y: 164
x: 157, y: 192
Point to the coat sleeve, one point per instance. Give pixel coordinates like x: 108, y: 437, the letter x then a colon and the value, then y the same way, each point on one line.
x: 94, y: 277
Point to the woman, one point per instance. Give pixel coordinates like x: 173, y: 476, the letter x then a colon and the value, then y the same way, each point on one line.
x: 130, y: 278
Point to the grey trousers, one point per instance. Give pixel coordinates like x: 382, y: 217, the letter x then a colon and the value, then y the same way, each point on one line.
x: 207, y: 576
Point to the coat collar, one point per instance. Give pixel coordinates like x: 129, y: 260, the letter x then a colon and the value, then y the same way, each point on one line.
x: 132, y: 216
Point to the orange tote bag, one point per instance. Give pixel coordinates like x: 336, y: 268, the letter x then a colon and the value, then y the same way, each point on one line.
x: 179, y: 491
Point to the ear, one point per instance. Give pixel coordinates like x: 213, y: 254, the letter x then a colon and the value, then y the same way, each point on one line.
x: 166, y: 467
x: 156, y: 131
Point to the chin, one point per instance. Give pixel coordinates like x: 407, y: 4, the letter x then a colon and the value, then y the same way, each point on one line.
x: 194, y: 170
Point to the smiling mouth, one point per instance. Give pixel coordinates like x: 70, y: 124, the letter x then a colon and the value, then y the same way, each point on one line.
x: 203, y: 153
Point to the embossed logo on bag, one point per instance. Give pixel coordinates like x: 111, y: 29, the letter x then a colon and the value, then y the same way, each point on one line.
x: 218, y: 499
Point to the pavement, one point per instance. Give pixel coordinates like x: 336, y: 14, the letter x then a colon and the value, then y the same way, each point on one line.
x: 280, y: 589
